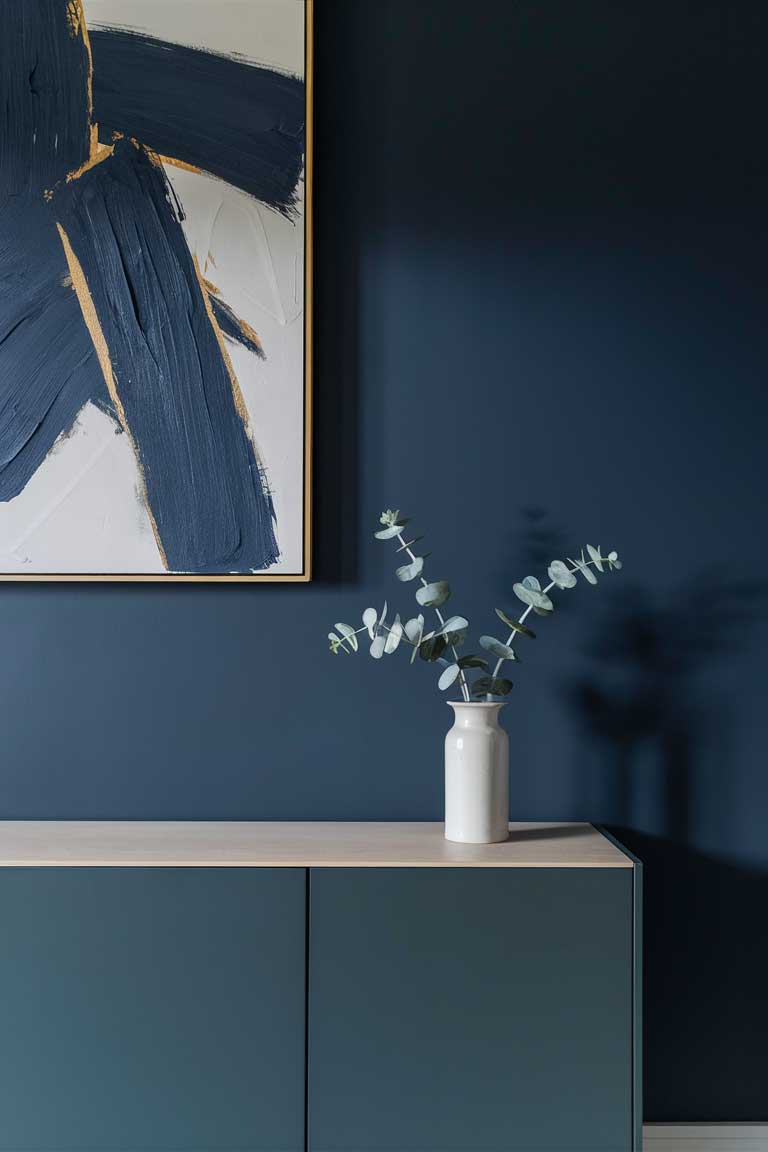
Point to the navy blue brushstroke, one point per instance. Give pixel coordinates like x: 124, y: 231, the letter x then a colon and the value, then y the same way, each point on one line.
x: 242, y: 123
x: 44, y: 123
x: 48, y: 368
x: 202, y: 478
x: 231, y: 327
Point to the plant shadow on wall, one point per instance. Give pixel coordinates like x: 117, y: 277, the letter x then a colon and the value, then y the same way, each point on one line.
x: 652, y: 713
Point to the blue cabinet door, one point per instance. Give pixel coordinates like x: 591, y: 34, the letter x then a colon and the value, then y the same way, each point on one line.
x: 470, y: 1010
x: 152, y: 1010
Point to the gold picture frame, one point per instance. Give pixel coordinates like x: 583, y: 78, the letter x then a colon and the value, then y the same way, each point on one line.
x: 305, y: 574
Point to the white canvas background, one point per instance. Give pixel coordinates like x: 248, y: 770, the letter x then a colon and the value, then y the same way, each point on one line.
x: 82, y: 510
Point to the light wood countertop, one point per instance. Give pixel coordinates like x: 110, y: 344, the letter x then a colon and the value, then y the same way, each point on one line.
x: 289, y: 844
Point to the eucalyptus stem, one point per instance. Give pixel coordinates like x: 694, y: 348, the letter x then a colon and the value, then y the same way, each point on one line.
x: 441, y: 618
x: 529, y: 609
x: 452, y: 630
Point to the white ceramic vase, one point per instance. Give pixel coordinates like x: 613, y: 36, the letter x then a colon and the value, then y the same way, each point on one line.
x: 476, y: 775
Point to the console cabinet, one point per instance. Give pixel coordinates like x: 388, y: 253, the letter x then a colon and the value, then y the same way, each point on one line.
x: 326, y: 987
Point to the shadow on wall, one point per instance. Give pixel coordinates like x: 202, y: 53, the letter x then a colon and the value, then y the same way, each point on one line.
x: 649, y: 705
x: 337, y: 253
x: 653, y: 710
x: 705, y: 957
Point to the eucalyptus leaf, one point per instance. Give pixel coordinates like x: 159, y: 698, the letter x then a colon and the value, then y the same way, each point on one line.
x: 433, y: 595
x: 348, y: 634
x: 532, y: 584
x: 370, y: 619
x: 410, y: 571
x: 455, y: 639
x: 414, y: 628
x: 536, y: 599
x: 418, y: 637
x: 337, y: 643
x: 494, y: 646
x: 432, y: 647
x: 561, y: 575
x: 377, y: 646
x: 394, y: 636
x: 587, y: 573
x: 389, y: 533
x: 515, y: 625
x: 491, y: 686
x: 523, y: 594
x: 410, y: 543
x: 449, y: 675
x: 454, y: 624
x: 472, y: 662
x: 595, y: 557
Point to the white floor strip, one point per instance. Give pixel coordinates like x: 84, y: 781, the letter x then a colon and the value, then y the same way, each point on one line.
x: 705, y: 1137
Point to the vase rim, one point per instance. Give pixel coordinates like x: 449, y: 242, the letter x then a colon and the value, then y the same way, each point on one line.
x: 476, y: 703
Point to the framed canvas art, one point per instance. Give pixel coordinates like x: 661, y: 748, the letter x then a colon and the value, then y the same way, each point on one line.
x: 155, y: 289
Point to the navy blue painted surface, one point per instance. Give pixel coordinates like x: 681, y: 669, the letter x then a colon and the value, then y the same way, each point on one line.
x: 541, y: 253
x: 204, y: 486
x: 242, y: 123
x: 152, y: 1009
x: 43, y: 95
x: 470, y: 1010
x: 47, y: 365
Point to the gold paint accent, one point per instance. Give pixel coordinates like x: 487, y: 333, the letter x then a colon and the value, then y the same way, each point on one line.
x: 99, y: 152
x: 98, y: 339
x: 247, y: 331
x: 240, y: 405
x: 78, y: 27
x: 179, y: 163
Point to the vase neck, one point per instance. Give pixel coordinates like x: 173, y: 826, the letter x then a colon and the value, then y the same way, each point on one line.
x: 475, y: 715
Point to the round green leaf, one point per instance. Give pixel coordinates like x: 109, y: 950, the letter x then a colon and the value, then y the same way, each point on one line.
x: 515, y: 625
x: 536, y: 599
x: 433, y: 595
x: 595, y: 557
x: 472, y: 662
x: 587, y: 573
x: 432, y: 647
x: 414, y: 628
x: 389, y: 533
x: 454, y: 624
x: 394, y: 636
x: 377, y: 646
x: 348, y: 634
x: 410, y: 571
x: 494, y: 646
x: 491, y: 686
x: 561, y: 575
x: 449, y: 675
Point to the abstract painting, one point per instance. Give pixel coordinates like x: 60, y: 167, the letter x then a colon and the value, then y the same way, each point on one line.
x: 155, y: 267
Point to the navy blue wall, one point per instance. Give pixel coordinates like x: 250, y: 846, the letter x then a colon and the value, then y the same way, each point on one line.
x: 541, y: 300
